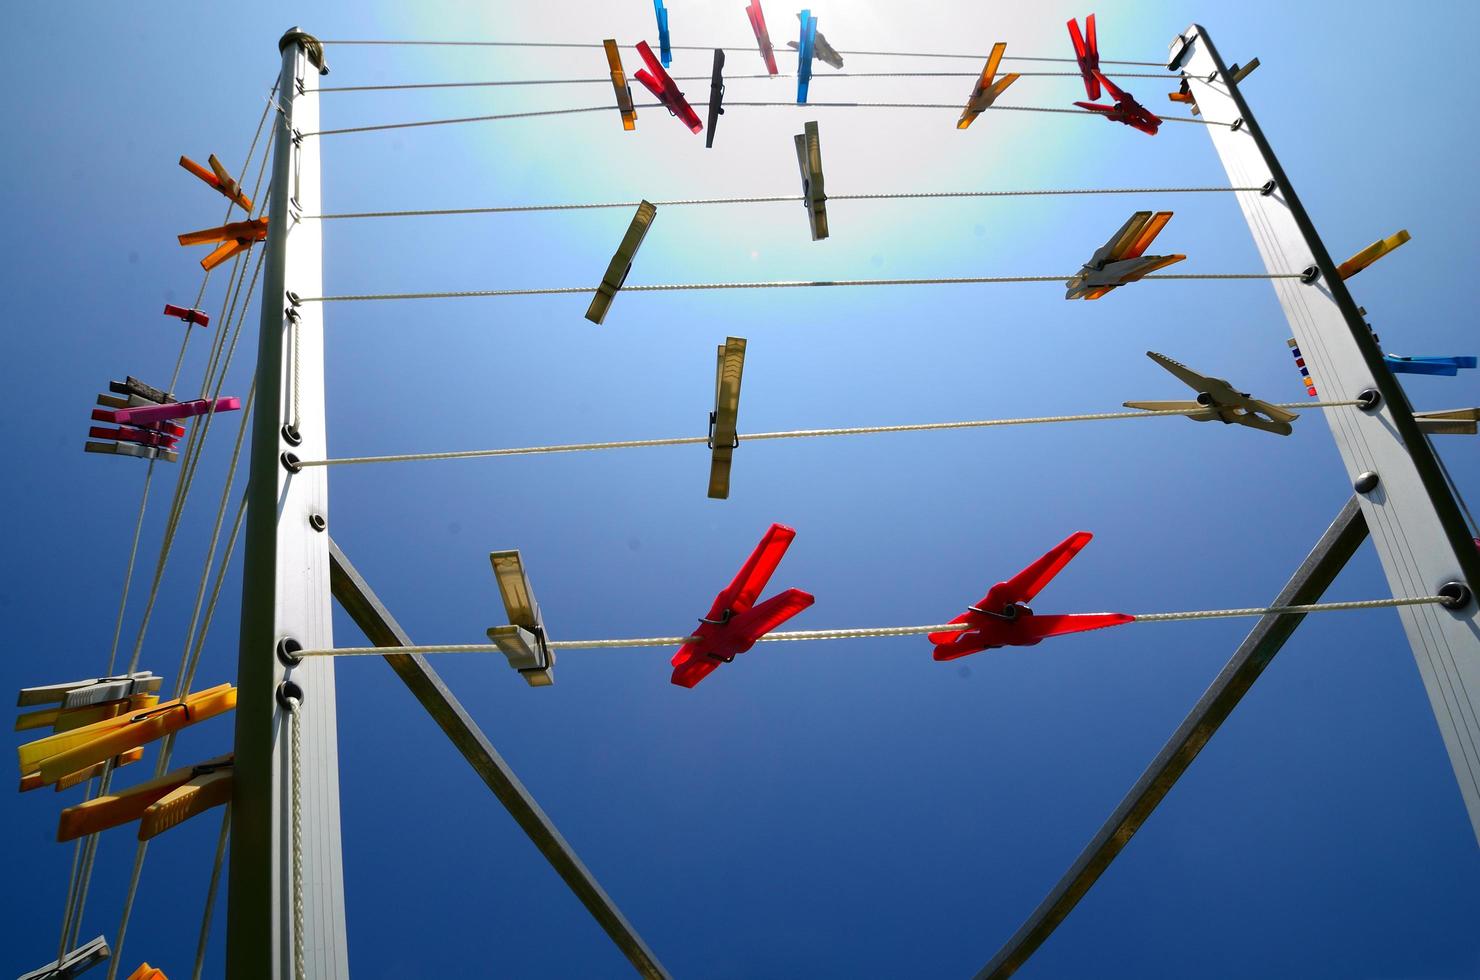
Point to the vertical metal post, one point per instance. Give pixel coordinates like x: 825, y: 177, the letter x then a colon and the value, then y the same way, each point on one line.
x: 1416, y: 524
x: 285, y: 589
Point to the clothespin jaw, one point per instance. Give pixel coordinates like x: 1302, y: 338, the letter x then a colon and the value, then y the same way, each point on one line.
x: 1218, y: 400
x: 821, y: 50
x: 1122, y: 259
x: 57, y: 755
x: 158, y: 804
x: 1371, y: 254
x: 524, y: 640
x: 809, y: 161
x: 621, y: 263
x: 1086, y: 54
x: 806, y: 50
x: 664, y: 44
x: 619, y: 85
x: 147, y: 972
x: 724, y: 419
x: 1238, y: 73
x: 218, y: 178
x: 235, y: 237
x: 1447, y: 367
x: 188, y: 315
x: 716, y: 96
x: 762, y: 36
x: 986, y: 90
x: 1453, y: 422
x: 79, y: 960
x: 665, y: 89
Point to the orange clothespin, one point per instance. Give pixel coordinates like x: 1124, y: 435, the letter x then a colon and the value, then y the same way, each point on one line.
x: 619, y: 85
x: 147, y: 972
x: 32, y: 780
x: 235, y: 237
x: 1184, y: 95
x: 986, y: 90
x: 1371, y: 254
x: 218, y: 178
x: 158, y: 804
x: 67, y: 752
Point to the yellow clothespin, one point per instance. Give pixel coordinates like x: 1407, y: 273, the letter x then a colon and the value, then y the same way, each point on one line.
x: 158, y: 804
x: 724, y: 418
x: 986, y: 91
x: 63, y: 719
x: 621, y: 263
x: 235, y: 237
x: 1371, y: 254
x: 218, y: 178
x: 32, y: 780
x: 619, y: 84
x: 67, y: 752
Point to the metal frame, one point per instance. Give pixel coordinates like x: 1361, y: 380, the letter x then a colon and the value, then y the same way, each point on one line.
x: 285, y: 588
x: 1420, y: 535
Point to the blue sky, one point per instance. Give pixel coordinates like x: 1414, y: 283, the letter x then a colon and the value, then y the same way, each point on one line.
x: 844, y: 809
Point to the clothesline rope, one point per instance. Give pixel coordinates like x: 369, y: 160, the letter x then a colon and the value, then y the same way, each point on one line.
x: 790, y: 434
x: 872, y: 632
x: 785, y: 76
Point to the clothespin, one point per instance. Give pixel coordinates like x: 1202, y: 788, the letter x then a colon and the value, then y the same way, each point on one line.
x: 621, y: 263
x: 147, y: 972
x: 135, y: 388
x: 1184, y: 95
x: 524, y: 640
x: 63, y: 719
x: 809, y: 161
x: 33, y: 781
x: 735, y: 621
x: 81, y: 959
x: 664, y: 89
x: 716, y: 96
x: 1121, y: 260
x: 1087, y: 54
x: 724, y: 418
x: 188, y: 315
x: 66, y: 752
x: 218, y: 178
x: 1003, y: 618
x: 619, y: 85
x: 1445, y: 366
x: 1453, y: 422
x: 1238, y: 74
x: 1125, y: 110
x: 130, y: 449
x: 235, y: 237
x: 1371, y: 254
x: 95, y: 690
x: 822, y: 51
x: 1217, y: 399
x: 173, y: 410
x: 762, y: 36
x: 145, y: 437
x: 663, y: 44
x: 159, y: 804
x: 986, y: 91
x: 1310, y: 383
x: 806, y: 50
x: 155, y: 427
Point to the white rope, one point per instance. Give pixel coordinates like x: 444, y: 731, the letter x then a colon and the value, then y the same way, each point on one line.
x: 783, y: 284
x: 952, y: 106
x: 875, y: 631
x: 785, y: 198
x: 791, y: 434
x: 296, y: 711
x: 784, y: 76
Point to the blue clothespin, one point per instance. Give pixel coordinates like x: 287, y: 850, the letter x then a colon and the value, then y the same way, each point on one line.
x: 665, y: 47
x: 805, y: 46
x: 1446, y: 366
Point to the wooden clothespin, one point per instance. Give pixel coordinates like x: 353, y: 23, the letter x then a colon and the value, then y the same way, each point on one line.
x: 235, y: 237
x: 1371, y: 254
x: 524, y: 640
x: 986, y: 91
x: 619, y: 85
x: 621, y: 263
x: 1237, y: 73
x: 809, y: 162
x: 158, y: 804
x: 1121, y: 260
x: 1452, y: 422
x: 724, y: 419
x: 218, y: 178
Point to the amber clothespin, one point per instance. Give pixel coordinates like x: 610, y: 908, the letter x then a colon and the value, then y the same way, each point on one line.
x: 235, y: 237
x: 524, y: 640
x: 1122, y: 259
x: 724, y: 418
x: 986, y: 89
x: 809, y: 161
x: 158, y: 804
x: 218, y: 178
x: 619, y: 85
x: 1371, y: 254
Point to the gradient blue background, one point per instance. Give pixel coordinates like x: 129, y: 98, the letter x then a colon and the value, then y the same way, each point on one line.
x: 841, y: 809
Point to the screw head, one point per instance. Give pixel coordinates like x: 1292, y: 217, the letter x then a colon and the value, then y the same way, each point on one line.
x: 1366, y: 482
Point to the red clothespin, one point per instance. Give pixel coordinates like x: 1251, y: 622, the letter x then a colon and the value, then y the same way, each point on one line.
x: 152, y: 416
x: 160, y: 425
x: 735, y: 622
x: 188, y: 315
x: 218, y: 178
x: 664, y: 89
x: 762, y: 36
x: 235, y: 237
x: 1003, y: 618
x: 1087, y: 53
x: 145, y: 437
x: 1125, y: 110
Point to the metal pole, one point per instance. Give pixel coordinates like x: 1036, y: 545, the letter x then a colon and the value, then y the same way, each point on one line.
x: 1416, y: 524
x: 1268, y: 636
x: 285, y: 588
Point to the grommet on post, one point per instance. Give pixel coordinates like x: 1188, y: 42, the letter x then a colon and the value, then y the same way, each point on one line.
x: 293, y: 298
x: 291, y: 435
x: 287, y: 652
x: 1366, y: 482
x: 290, y: 462
x: 1238, y: 124
x: 1268, y: 188
x: 1310, y: 275
x: 289, y: 696
x: 1368, y: 399
x: 317, y: 522
x: 1456, y: 595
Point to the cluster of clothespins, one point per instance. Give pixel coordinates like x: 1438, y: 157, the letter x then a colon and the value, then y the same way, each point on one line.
x: 147, y: 418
